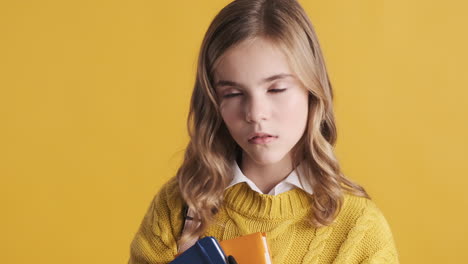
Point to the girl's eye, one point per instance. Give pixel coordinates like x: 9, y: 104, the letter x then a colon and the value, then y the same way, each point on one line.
x: 236, y: 94
x: 277, y: 90
x: 231, y: 95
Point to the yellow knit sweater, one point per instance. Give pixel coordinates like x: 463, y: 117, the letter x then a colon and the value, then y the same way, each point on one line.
x: 360, y: 233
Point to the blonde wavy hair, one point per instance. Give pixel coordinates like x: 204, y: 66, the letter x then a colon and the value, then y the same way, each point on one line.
x: 206, y: 168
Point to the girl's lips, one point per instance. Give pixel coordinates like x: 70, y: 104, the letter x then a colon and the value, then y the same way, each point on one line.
x: 259, y: 134
x: 262, y: 140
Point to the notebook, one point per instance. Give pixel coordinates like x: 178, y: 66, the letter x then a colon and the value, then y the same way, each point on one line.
x: 204, y: 251
x: 252, y: 248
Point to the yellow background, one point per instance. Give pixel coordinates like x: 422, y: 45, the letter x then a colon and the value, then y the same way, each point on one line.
x: 94, y: 98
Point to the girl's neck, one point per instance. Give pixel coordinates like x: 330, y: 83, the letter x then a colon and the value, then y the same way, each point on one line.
x: 267, y: 176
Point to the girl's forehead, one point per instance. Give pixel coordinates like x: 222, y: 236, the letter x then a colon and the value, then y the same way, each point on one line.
x: 252, y: 61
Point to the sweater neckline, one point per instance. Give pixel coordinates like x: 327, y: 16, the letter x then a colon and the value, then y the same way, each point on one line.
x: 245, y: 201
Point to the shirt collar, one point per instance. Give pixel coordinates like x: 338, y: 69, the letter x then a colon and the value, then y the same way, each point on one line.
x: 290, y: 182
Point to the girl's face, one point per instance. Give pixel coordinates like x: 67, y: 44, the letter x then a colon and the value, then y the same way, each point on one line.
x: 258, y: 93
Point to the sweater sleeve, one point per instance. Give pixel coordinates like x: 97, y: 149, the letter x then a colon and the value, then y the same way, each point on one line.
x: 156, y: 239
x: 379, y: 239
x: 369, y: 239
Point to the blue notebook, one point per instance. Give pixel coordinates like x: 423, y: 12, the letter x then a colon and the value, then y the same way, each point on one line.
x: 205, y: 251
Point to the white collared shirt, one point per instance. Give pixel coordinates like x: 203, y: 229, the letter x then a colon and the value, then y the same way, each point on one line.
x: 290, y: 182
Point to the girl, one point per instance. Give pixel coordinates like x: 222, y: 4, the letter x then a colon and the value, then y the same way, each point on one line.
x: 260, y: 156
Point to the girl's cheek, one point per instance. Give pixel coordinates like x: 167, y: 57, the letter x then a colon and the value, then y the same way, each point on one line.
x: 228, y: 112
x: 285, y: 102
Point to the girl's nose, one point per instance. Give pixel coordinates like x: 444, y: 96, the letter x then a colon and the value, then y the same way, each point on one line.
x: 256, y: 110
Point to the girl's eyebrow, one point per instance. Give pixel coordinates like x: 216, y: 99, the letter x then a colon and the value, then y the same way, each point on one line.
x: 221, y: 83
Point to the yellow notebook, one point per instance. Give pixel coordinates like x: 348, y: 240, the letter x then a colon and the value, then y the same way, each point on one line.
x: 252, y: 248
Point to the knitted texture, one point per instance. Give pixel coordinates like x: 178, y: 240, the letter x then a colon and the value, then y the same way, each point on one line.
x: 359, y: 234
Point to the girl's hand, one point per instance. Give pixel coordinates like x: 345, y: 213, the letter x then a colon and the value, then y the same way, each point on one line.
x: 231, y: 260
